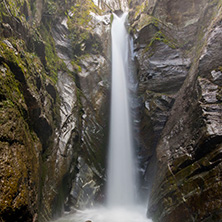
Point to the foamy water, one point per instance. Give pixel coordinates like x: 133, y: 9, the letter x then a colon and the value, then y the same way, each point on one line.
x: 104, y: 214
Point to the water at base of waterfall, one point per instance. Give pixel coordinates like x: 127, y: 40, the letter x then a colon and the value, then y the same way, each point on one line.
x: 104, y: 214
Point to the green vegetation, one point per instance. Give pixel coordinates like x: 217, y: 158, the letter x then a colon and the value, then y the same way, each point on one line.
x: 159, y: 36
x: 140, y: 9
x: 79, y: 19
x: 51, y: 8
x: 29, y: 67
x: 18, y: 11
x: 111, y: 18
x: 53, y: 62
x: 9, y: 90
x: 19, y: 144
x: 12, y: 7
x: 21, y: 64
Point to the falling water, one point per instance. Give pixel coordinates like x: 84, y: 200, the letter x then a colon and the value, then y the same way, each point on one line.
x: 121, y: 185
x: 121, y: 166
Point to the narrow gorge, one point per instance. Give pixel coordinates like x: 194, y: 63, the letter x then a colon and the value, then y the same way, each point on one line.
x: 55, y: 93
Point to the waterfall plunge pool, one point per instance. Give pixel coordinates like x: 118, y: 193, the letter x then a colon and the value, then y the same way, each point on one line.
x: 106, y: 214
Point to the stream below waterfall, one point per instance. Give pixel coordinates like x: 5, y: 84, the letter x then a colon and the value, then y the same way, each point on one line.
x: 106, y: 214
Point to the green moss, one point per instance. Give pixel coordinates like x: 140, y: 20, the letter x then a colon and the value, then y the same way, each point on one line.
x: 79, y: 23
x: 17, y: 139
x: 159, y: 36
x: 51, y: 7
x: 9, y: 87
x: 41, y: 36
x: 219, y: 68
x: 23, y: 66
x: 13, y: 9
x: 17, y: 146
x: 53, y: 62
x: 111, y: 18
x: 140, y: 9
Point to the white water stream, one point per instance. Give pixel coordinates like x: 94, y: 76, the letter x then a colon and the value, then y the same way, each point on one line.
x: 121, y: 167
x: 121, y: 204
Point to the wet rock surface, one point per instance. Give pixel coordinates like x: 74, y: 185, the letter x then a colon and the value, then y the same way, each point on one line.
x: 177, y: 51
x: 164, y: 71
x: 83, y: 97
x: 24, y: 102
x: 188, y: 159
x: 56, y: 113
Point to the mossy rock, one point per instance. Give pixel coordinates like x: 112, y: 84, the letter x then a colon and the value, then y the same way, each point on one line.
x: 19, y: 154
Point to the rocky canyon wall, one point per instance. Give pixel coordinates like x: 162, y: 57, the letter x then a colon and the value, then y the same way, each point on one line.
x: 55, y: 63
x: 178, y: 49
x: 54, y: 105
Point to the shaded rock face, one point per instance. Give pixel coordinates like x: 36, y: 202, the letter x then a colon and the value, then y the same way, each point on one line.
x: 23, y: 96
x: 162, y: 67
x: 177, y: 51
x: 186, y: 19
x: 187, y: 184
x: 164, y: 71
x: 54, y: 121
x: 80, y: 139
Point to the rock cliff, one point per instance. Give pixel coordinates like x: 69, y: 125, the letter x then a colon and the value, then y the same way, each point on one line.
x: 178, y: 50
x: 54, y: 103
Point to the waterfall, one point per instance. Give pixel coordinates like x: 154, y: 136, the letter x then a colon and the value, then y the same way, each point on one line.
x: 121, y: 166
x: 121, y: 184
